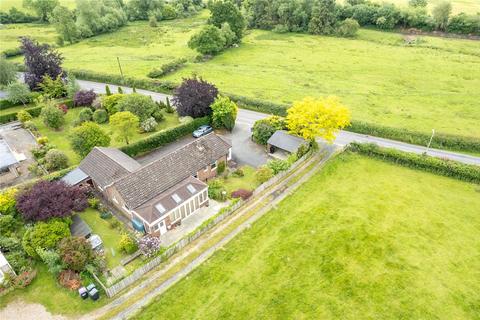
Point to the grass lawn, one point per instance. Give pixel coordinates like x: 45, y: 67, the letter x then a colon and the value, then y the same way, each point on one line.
x: 16, y: 108
x: 362, y: 239
x: 45, y: 290
x: 110, y: 237
x: 247, y: 182
x: 430, y: 85
x: 60, y: 137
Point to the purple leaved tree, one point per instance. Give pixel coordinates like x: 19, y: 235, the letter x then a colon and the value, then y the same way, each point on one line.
x: 194, y: 97
x: 40, y: 60
x: 51, y: 199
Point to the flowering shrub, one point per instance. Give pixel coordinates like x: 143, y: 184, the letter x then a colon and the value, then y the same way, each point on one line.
x: 25, y: 278
x: 63, y: 107
x: 84, y: 98
x: 128, y: 244
x: 242, y: 193
x: 149, y: 125
x: 149, y: 245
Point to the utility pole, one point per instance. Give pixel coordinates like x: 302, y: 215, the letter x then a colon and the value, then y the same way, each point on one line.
x: 430, y: 142
x: 121, y: 72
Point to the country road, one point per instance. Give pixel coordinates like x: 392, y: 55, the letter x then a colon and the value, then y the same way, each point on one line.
x: 247, y: 118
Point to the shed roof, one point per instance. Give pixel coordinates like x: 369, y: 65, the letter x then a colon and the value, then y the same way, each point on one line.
x: 7, y: 157
x: 105, y: 165
x: 285, y: 141
x: 74, y: 177
x: 79, y: 228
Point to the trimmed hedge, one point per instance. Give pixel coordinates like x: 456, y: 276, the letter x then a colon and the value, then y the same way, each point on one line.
x: 35, y: 112
x: 5, y: 104
x: 163, y: 137
x: 146, y: 84
x: 10, y: 53
x: 448, y: 168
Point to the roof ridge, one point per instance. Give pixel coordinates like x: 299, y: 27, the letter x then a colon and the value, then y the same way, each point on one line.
x: 115, y: 160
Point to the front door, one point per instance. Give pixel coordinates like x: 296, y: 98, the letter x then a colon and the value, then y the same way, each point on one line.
x: 163, y: 227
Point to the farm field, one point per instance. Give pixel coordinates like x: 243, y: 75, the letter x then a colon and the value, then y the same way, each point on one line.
x: 382, y: 80
x: 467, y: 6
x: 60, y: 139
x: 10, y: 33
x: 7, y: 4
x: 362, y: 239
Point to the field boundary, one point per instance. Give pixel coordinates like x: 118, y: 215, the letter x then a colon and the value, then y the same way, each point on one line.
x: 444, y: 167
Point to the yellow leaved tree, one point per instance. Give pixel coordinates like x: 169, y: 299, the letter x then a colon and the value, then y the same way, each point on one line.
x: 311, y: 118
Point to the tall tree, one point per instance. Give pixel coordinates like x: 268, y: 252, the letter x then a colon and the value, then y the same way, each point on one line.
x: 40, y: 61
x: 323, y: 18
x: 43, y: 8
x: 64, y: 23
x: 8, y: 73
x: 124, y: 124
x: 194, y: 97
x: 226, y: 11
x: 311, y: 118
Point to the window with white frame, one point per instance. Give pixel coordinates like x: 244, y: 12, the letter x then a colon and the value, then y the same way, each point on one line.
x: 176, y: 198
x: 191, y: 188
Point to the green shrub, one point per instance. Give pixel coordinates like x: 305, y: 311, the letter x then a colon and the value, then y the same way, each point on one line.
x: 278, y: 165
x: 53, y: 88
x: 100, y: 116
x: 263, y: 129
x: 216, y: 190
x: 127, y: 244
x: 141, y: 106
x: 149, y: 125
x: 167, y: 68
x: 55, y: 160
x: 238, y: 173
x: 111, y: 101
x: 163, y: 137
x: 8, y: 224
x: 52, y: 117
x: 45, y: 235
x: 85, y: 114
x: 224, y: 113
x: 348, y: 28
x: 18, y: 93
x: 113, y: 224
x: 87, y: 136
x: 263, y: 174
x: 221, y: 167
x: 93, y: 203
x: 8, y: 72
x: 470, y: 173
x: 23, y: 116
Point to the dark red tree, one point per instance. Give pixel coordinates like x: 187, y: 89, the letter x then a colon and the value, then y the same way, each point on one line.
x: 194, y: 97
x: 242, y: 193
x: 84, y: 97
x: 50, y: 199
x: 40, y: 60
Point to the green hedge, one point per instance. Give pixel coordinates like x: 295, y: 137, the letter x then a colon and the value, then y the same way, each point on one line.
x: 146, y: 84
x: 440, y: 141
x: 5, y: 104
x: 10, y: 53
x: 163, y: 137
x: 258, y: 105
x: 34, y: 111
x: 448, y: 168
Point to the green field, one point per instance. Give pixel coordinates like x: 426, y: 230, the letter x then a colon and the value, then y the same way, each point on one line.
x: 467, y: 6
x: 61, y: 140
x: 10, y: 33
x: 430, y: 85
x: 362, y: 239
x: 7, y: 4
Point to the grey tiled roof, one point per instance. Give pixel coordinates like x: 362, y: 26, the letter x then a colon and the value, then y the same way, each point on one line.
x: 153, y: 179
x: 285, y: 141
x: 105, y: 165
x: 150, y: 213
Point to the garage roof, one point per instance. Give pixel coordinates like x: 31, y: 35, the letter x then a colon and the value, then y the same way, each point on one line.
x: 285, y: 141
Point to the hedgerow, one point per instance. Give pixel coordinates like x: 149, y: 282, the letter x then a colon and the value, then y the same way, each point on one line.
x: 444, y: 167
x: 163, y: 137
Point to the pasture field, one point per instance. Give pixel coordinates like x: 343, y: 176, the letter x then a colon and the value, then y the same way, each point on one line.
x: 5, y: 5
x: 467, y: 6
x: 362, y: 239
x: 10, y: 33
x: 431, y: 84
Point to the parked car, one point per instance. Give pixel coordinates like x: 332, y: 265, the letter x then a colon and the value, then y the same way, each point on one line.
x: 202, y: 130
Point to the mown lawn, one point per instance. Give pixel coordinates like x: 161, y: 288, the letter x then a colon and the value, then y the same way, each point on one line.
x: 247, y: 182
x: 430, y: 85
x: 60, y: 138
x: 110, y: 236
x: 56, y: 299
x: 362, y: 239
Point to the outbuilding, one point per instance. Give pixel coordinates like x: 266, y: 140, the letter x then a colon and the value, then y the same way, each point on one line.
x: 281, y: 144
